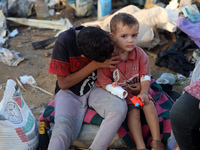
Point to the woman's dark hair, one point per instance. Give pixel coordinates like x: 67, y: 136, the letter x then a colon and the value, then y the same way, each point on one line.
x: 95, y: 43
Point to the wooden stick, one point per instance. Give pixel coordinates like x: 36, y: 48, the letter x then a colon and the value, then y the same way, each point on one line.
x: 20, y: 84
x: 44, y: 35
x: 34, y: 86
x: 50, y: 45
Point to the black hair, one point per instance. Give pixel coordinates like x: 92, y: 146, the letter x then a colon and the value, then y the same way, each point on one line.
x: 95, y: 43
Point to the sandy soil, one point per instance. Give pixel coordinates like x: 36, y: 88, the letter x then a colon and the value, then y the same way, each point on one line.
x: 36, y: 64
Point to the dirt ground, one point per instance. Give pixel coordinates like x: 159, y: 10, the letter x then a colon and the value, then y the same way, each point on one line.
x: 36, y: 63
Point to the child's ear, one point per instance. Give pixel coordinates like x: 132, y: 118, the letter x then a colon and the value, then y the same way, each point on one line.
x: 111, y: 35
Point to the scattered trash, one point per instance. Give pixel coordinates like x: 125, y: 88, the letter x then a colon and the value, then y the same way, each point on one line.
x: 14, y: 33
x: 39, y: 88
x: 166, y: 78
x: 173, y: 5
x: 25, y: 79
x: 42, y: 10
x: 61, y: 25
x: 20, y: 8
x: 31, y: 82
x: 184, y: 3
x: 191, y: 12
x: 47, y: 53
x: 82, y: 7
x: 20, y: 84
x: 10, y: 58
x: 156, y: 17
x: 180, y: 76
x: 4, y: 7
x: 3, y: 28
x: 44, y: 43
x: 2, y: 85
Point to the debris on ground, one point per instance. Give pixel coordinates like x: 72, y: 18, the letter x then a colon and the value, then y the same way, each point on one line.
x: 168, y: 35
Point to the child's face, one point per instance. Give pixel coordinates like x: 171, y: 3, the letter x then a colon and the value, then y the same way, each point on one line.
x: 125, y: 37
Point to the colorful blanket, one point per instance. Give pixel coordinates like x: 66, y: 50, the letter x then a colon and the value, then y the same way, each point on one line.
x: 163, y: 106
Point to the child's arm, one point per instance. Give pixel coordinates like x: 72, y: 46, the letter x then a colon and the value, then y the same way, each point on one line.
x: 144, y: 91
x: 70, y: 80
x: 115, y: 90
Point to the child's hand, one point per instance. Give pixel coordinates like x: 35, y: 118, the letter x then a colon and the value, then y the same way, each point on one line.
x: 144, y: 98
x: 133, y: 89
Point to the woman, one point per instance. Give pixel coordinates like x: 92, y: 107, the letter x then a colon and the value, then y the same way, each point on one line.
x: 185, y: 115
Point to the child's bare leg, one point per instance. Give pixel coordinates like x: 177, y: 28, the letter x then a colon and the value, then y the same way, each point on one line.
x: 134, y: 124
x: 152, y: 120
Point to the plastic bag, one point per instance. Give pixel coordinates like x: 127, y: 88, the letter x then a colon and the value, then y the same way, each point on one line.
x: 166, y: 78
x: 18, y: 127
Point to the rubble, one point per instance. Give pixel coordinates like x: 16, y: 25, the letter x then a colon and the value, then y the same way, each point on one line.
x: 156, y: 21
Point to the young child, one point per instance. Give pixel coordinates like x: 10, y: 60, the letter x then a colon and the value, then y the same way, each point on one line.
x: 132, y: 69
